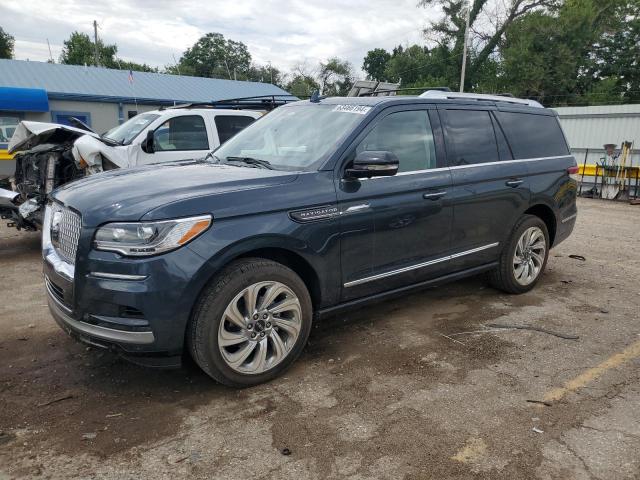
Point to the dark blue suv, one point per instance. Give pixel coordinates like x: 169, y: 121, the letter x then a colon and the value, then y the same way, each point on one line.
x: 319, y: 206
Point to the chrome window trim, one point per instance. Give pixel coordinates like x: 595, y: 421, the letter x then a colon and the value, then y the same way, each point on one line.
x: 419, y: 265
x: 473, y: 165
x: 538, y: 159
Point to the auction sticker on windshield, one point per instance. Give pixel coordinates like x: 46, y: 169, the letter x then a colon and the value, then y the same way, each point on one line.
x: 360, y: 109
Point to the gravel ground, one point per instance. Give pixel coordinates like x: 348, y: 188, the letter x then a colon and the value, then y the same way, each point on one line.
x: 414, y: 388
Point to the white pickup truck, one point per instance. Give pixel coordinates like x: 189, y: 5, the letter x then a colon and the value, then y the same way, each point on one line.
x: 49, y: 155
x: 152, y: 137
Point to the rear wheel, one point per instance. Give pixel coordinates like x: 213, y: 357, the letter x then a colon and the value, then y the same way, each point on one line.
x: 524, y: 257
x: 251, y: 323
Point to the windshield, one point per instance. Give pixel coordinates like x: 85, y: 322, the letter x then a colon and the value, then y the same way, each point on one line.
x: 297, y: 137
x: 130, y: 129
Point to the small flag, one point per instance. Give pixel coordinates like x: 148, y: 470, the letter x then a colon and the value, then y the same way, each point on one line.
x: 131, y: 77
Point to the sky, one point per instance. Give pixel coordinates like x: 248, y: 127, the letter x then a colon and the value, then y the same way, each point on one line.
x: 283, y: 32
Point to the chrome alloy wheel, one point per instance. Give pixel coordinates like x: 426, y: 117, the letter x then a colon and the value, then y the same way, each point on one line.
x: 259, y: 327
x: 528, y: 258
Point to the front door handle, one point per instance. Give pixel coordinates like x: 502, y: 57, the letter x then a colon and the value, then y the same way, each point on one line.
x: 434, y: 195
x: 513, y: 183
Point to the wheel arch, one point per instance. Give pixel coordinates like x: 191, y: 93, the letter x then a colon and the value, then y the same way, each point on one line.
x: 547, y: 215
x: 295, y: 262
x: 288, y: 251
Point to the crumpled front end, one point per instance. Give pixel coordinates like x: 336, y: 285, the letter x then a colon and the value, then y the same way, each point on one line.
x: 38, y: 172
x: 49, y: 155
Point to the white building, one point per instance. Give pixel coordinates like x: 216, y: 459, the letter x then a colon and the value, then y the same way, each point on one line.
x: 588, y: 129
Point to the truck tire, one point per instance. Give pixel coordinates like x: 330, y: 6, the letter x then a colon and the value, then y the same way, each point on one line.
x: 523, y: 258
x: 251, y: 323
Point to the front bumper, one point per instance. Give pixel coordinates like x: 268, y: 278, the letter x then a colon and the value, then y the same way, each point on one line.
x: 137, y: 307
x: 88, y: 332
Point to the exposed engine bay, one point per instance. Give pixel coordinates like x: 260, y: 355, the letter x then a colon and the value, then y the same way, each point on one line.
x: 47, y: 158
x: 38, y: 172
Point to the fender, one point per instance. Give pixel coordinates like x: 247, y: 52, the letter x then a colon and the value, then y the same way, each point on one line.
x: 318, y: 268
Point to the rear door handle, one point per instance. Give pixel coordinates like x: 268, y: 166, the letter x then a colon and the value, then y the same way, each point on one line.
x: 514, y: 183
x: 434, y: 195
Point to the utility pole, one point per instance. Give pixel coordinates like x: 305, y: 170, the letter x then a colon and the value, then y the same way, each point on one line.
x: 176, y: 63
x: 464, y: 49
x: 95, y: 43
x: 271, y: 72
x: 50, y: 56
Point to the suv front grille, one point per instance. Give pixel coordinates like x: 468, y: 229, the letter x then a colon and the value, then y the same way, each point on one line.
x: 65, y: 233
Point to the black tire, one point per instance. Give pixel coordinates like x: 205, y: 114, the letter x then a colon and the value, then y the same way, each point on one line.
x: 202, y: 332
x: 503, y: 277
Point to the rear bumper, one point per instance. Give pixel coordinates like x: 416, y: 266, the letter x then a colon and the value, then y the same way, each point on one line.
x: 565, y: 227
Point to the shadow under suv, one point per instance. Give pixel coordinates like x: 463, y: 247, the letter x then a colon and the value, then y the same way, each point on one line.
x: 319, y: 206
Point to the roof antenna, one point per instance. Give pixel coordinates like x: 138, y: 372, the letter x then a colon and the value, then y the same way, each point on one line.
x: 315, y: 97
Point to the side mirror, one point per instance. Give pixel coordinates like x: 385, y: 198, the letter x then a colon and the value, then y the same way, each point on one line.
x: 148, y: 145
x: 369, y: 164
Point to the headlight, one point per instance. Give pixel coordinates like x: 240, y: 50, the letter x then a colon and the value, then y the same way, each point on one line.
x: 149, y: 238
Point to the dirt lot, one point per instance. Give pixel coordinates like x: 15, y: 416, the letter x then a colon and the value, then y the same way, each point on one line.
x: 397, y: 390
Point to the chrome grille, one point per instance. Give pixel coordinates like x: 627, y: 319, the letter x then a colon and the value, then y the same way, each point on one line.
x: 65, y: 233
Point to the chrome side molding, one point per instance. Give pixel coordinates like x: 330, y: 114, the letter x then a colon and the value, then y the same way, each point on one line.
x: 418, y: 265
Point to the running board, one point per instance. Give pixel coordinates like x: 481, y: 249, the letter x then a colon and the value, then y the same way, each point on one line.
x: 397, y: 292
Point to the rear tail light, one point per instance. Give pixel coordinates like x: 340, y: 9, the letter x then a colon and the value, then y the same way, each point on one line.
x: 573, y: 172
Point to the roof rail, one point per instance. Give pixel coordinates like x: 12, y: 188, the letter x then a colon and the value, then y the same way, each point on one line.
x: 405, y: 89
x: 480, y: 96
x: 260, y: 102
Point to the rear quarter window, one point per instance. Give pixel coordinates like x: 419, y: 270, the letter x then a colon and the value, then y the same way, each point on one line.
x: 533, y: 136
x: 229, y: 125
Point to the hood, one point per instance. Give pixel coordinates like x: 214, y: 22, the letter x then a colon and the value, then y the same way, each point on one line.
x: 30, y: 134
x: 120, y: 195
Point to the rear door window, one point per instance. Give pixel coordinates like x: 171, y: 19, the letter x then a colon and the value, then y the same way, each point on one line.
x: 470, y: 137
x: 533, y: 136
x: 229, y: 125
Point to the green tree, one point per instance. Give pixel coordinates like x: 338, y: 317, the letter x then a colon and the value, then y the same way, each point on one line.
x: 265, y: 74
x: 560, y: 57
x: 488, y: 22
x: 375, y: 64
x: 419, y: 66
x: 80, y: 50
x: 335, y: 77
x: 613, y: 63
x: 136, y: 67
x: 214, y: 56
x: 302, y: 85
x: 7, y: 43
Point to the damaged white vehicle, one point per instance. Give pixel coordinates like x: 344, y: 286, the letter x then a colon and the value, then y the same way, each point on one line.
x: 50, y: 155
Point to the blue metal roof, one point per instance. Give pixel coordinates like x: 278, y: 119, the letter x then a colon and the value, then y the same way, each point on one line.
x: 75, y: 82
x: 23, y: 99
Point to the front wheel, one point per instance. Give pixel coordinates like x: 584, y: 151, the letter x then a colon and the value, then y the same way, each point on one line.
x: 524, y: 257
x: 251, y: 323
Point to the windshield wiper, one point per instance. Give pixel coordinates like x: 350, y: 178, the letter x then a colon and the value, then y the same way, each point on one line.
x: 251, y: 161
